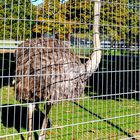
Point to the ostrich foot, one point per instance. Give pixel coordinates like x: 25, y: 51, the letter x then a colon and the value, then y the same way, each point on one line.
x: 30, y: 116
x: 42, y: 137
x: 45, y: 123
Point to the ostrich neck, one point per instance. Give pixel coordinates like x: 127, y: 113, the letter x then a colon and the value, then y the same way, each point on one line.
x: 92, y: 64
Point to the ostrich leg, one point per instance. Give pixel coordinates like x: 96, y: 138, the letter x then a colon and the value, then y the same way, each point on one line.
x: 30, y: 116
x: 42, y: 135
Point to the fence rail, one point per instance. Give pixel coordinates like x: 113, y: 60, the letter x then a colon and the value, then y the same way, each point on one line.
x: 74, y: 74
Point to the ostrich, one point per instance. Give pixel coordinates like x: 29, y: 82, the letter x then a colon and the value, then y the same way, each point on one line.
x: 46, y: 70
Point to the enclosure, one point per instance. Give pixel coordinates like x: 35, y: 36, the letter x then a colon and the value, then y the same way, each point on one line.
x: 75, y: 63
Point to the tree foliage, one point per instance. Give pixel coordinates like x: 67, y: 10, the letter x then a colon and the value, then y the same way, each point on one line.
x: 51, y: 19
x: 114, y: 16
x: 19, y: 19
x: 133, y: 22
x: 80, y: 14
x: 16, y: 19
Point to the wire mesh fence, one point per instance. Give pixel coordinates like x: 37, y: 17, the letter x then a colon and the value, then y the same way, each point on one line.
x: 69, y: 69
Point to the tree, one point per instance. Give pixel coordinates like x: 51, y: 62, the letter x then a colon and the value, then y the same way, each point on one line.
x: 51, y: 19
x: 133, y: 22
x: 76, y: 16
x: 80, y: 15
x: 16, y: 19
x: 114, y: 17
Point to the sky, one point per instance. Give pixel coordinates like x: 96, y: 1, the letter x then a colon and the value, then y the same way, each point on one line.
x: 37, y: 2
x: 40, y: 1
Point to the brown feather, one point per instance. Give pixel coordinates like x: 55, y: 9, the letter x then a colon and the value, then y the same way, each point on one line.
x: 47, y: 71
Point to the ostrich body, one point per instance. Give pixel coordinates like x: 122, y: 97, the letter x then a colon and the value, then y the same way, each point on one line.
x: 47, y: 70
x: 47, y: 73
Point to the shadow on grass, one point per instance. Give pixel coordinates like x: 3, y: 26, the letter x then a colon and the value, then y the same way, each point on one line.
x: 107, y: 121
x: 17, y: 117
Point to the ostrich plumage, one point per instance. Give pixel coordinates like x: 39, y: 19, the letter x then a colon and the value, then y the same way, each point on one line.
x: 47, y: 70
x: 50, y: 72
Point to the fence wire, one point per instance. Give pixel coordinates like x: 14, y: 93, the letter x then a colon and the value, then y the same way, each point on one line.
x: 69, y: 69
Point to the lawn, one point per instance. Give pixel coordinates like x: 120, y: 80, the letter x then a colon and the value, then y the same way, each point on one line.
x: 83, y: 119
x: 86, y: 51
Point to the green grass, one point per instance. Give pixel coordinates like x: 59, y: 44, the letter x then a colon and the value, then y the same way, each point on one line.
x: 84, y: 119
x: 86, y: 51
x: 83, y: 51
